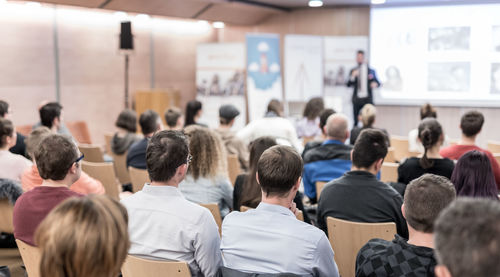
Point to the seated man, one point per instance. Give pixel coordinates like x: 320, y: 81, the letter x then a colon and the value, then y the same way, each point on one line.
x: 57, y: 159
x: 234, y: 145
x: 330, y: 160
x: 150, y: 123
x: 471, y: 125
x: 270, y: 239
x: 19, y: 148
x: 162, y: 223
x: 425, y: 198
x: 358, y: 195
x: 467, y: 239
x: 31, y: 177
x: 51, y: 117
x: 174, y: 119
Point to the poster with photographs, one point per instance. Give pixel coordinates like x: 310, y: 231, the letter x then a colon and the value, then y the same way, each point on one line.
x: 449, y: 38
x: 449, y: 76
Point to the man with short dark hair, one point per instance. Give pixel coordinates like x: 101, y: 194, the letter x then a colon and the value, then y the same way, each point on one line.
x: 20, y: 147
x: 467, y: 239
x: 471, y: 125
x: 150, y: 123
x: 330, y: 160
x: 57, y: 159
x: 162, y: 223
x: 269, y: 239
x: 358, y: 196
x: 174, y: 119
x: 51, y: 117
x: 424, y: 199
x: 234, y: 145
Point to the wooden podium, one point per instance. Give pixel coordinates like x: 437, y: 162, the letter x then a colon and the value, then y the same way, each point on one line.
x: 158, y: 101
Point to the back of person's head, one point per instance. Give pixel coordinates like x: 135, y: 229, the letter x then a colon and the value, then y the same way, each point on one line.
x: 337, y: 127
x: 172, y: 116
x: 467, y: 238
x: 35, y: 137
x: 275, y: 106
x: 251, y: 194
x: 4, y: 108
x: 149, y: 122
x: 49, y: 112
x: 209, y: 157
x: 127, y: 120
x: 471, y: 123
x: 313, y: 108
x: 371, y: 146
x: 54, y: 156
x: 83, y: 237
x: 6, y: 131
x: 425, y: 197
x: 368, y: 114
x: 430, y: 133
x: 323, y: 118
x: 279, y: 168
x: 166, y: 151
x: 192, y: 109
x: 473, y: 176
x: 427, y: 110
x: 227, y: 113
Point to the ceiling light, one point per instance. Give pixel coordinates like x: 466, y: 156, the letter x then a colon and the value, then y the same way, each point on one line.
x: 218, y: 24
x: 33, y: 4
x: 315, y: 3
x: 121, y: 15
x: 142, y: 16
x: 378, y: 2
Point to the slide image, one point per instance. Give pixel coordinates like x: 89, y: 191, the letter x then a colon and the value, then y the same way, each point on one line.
x: 449, y: 38
x: 449, y: 76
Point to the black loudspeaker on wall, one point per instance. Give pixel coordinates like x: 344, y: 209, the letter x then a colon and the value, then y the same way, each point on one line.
x: 126, y: 38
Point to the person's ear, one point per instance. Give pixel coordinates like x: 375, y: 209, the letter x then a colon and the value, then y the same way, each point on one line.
x: 74, y: 168
x: 257, y: 177
x: 442, y: 271
x: 181, y: 170
x: 378, y: 164
x: 403, y: 210
x: 347, y: 133
x: 297, y: 184
x: 351, y: 153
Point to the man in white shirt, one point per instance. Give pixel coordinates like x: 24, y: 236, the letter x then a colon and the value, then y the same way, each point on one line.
x: 270, y: 239
x: 162, y: 223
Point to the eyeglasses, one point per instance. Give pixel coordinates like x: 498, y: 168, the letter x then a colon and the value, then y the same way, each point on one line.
x: 80, y: 158
x: 189, y: 159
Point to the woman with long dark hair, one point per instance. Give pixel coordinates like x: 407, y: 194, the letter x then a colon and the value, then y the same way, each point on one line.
x: 473, y: 176
x: 430, y: 133
x: 193, y: 113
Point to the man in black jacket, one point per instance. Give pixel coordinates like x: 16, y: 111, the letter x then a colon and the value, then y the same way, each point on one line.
x: 358, y: 195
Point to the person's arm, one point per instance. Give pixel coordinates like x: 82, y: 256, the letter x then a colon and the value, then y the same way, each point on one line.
x: 246, y: 134
x: 352, y: 77
x: 207, y: 246
x: 401, y: 178
x: 308, y: 182
x: 227, y: 192
x: 374, y: 78
x: 324, y: 263
x: 238, y: 188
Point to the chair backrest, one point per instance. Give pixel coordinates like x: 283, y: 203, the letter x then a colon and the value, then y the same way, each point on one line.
x: 92, y: 153
x: 300, y: 215
x: 138, y: 267
x: 400, y: 145
x: 6, y: 210
x: 105, y: 173
x: 390, y: 158
x: 214, y: 209
x: 494, y: 146
x: 348, y: 237
x: 31, y: 256
x: 120, y: 163
x: 389, y: 172
x: 233, y: 167
x: 107, y: 139
x: 138, y: 177
x: 80, y: 131
x: 319, y: 187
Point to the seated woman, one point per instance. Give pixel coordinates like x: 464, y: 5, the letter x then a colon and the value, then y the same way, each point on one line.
x: 430, y: 134
x: 83, y: 237
x: 473, y: 176
x: 367, y: 117
x: 206, y: 180
x: 12, y: 165
x: 308, y: 125
x: 126, y: 133
x: 194, y: 110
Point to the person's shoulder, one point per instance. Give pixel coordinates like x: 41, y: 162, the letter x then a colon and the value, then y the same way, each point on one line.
x: 373, y: 254
x: 409, y: 162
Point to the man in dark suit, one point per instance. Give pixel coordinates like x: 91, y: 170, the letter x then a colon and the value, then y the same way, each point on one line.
x: 364, y: 80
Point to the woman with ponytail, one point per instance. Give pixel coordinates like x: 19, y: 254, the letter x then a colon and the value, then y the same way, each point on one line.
x: 430, y: 134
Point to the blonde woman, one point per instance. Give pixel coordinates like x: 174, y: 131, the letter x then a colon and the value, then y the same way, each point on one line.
x: 206, y: 180
x: 367, y: 117
x: 84, y: 237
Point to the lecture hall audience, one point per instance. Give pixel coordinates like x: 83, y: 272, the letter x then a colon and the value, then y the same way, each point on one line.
x: 125, y: 135
x: 12, y: 165
x: 150, y: 123
x: 234, y: 145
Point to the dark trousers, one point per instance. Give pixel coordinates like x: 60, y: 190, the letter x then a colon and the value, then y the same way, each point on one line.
x: 357, y: 105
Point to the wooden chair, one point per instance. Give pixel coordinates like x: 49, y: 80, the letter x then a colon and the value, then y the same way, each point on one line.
x: 105, y: 173
x: 138, y: 267
x: 390, y: 158
x: 31, y: 258
x: 400, y: 145
x: 214, y: 209
x: 494, y: 146
x: 107, y: 139
x: 92, y: 153
x: 80, y: 131
x: 6, y: 210
x: 233, y: 167
x: 389, y: 172
x: 319, y: 187
x: 138, y: 177
x: 300, y: 216
x: 348, y: 237
x: 120, y: 163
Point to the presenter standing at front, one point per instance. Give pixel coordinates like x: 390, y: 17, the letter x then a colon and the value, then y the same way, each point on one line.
x: 364, y: 80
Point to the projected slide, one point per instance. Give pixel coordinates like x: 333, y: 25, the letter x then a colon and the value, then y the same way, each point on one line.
x: 448, y: 55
